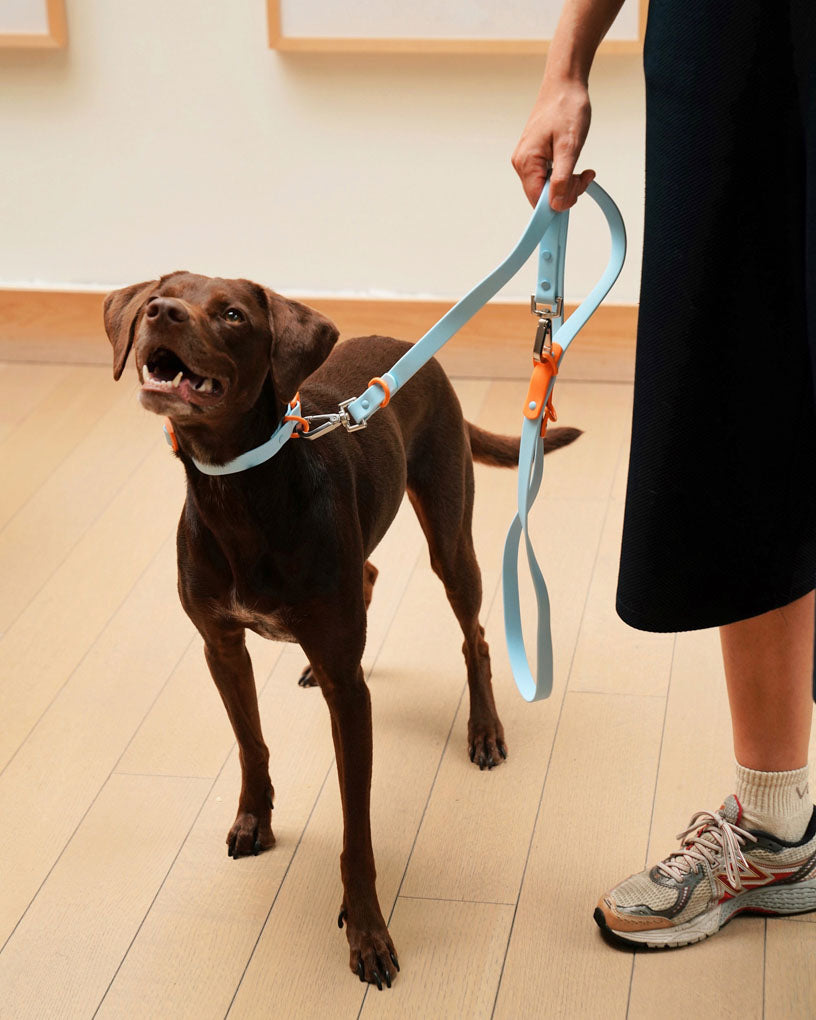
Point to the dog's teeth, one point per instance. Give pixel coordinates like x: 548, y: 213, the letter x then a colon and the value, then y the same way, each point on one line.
x: 206, y: 386
x: 178, y: 379
x: 145, y: 374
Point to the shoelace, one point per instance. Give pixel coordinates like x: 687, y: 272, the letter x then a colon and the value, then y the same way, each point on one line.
x: 710, y: 840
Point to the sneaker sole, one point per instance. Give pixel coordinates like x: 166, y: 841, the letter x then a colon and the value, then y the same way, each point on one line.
x: 779, y: 901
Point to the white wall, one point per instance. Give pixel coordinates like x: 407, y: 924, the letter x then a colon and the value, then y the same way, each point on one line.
x: 169, y: 136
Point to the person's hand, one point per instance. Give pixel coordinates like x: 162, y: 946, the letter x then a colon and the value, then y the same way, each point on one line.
x: 554, y: 136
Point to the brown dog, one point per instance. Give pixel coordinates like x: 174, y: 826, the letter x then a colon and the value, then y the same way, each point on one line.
x: 283, y: 547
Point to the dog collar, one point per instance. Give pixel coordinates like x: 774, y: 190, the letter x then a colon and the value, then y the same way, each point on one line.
x: 252, y: 458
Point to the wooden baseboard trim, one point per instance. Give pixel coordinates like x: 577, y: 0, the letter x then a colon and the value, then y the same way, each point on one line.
x: 66, y: 326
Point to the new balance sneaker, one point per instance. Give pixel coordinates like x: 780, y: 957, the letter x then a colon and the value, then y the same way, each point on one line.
x: 721, y: 870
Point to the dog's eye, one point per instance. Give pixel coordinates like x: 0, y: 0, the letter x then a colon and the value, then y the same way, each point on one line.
x: 234, y: 315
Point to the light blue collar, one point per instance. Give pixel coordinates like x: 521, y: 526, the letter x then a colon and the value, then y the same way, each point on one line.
x: 252, y: 458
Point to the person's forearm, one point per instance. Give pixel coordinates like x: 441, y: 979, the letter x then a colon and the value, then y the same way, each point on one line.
x: 581, y: 27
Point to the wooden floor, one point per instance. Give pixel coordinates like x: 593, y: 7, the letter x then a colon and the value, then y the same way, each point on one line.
x: 119, y: 774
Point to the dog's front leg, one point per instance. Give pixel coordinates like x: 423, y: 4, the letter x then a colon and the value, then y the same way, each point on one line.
x: 231, y: 669
x: 340, y: 676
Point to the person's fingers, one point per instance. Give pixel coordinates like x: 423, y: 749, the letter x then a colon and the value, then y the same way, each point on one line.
x: 531, y: 161
x: 565, y: 156
x: 567, y: 196
x: 533, y: 180
x: 578, y: 185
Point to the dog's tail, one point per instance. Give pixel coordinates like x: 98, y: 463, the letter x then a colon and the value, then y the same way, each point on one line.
x: 503, y: 451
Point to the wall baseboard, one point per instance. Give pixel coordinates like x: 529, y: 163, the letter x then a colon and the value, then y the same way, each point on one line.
x: 66, y: 326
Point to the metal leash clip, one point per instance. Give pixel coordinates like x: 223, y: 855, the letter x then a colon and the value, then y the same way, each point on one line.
x: 544, y: 333
x: 329, y: 422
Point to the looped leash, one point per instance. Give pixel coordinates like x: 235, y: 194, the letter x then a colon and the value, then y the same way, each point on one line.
x: 547, y: 303
x: 547, y: 229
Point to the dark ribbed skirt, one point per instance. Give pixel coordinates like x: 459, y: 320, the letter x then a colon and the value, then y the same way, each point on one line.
x: 720, y: 520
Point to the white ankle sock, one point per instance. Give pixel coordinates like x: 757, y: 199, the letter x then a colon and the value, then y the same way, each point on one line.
x: 776, y: 802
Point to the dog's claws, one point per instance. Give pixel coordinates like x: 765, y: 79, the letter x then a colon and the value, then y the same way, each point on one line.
x: 231, y: 849
x: 394, y: 960
x: 378, y: 979
x: 502, y: 749
x: 387, y: 976
x: 361, y: 969
x: 341, y: 917
x: 257, y: 848
x: 306, y: 678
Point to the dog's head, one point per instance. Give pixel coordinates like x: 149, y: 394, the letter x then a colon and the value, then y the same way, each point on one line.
x: 204, y: 346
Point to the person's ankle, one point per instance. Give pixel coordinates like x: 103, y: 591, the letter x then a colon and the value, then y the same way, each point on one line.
x: 778, y: 803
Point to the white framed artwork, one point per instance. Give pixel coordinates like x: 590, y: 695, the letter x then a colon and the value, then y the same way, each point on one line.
x: 33, y: 23
x: 435, y: 26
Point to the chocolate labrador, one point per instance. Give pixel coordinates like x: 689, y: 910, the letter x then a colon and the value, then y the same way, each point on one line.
x: 282, y: 548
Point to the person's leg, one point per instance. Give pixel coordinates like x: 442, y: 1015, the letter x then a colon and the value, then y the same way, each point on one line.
x: 768, y: 671
x: 768, y: 668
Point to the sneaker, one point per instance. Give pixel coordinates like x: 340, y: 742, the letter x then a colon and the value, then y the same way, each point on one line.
x: 720, y: 871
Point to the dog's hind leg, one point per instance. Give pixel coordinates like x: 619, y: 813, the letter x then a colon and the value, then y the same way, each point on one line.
x: 370, y: 572
x: 443, y: 502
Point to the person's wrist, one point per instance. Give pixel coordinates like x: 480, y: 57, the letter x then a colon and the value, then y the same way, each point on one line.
x: 567, y: 69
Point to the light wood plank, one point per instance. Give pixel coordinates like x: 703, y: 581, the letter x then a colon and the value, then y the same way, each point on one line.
x: 456, y: 952
x: 36, y: 449
x: 587, y: 468
x: 568, y: 532
x: 611, y: 657
x: 59, y: 513
x: 790, y: 977
x: 49, y: 639
x: 187, y: 732
x: 622, y: 473
x: 188, y: 958
x: 66, y: 949
x: 22, y: 388
x: 683, y: 983
x: 697, y: 759
x: 594, y: 816
x: 490, y: 866
x: 60, y: 768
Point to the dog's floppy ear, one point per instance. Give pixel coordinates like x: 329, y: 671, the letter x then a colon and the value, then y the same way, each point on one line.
x: 302, y: 339
x: 121, y: 309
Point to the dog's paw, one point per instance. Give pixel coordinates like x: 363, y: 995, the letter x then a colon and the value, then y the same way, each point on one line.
x: 486, y: 746
x: 249, y: 836
x: 373, y: 957
x: 307, y: 678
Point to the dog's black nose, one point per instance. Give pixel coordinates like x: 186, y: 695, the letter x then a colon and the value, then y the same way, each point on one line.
x: 167, y: 309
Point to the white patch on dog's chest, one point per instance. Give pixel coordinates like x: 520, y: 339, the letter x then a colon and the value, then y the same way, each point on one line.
x: 269, y: 625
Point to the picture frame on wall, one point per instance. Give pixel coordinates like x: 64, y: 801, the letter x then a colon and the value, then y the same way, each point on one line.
x: 38, y: 24
x: 435, y: 26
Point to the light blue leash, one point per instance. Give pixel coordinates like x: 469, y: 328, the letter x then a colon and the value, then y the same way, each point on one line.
x: 531, y: 457
x: 547, y: 229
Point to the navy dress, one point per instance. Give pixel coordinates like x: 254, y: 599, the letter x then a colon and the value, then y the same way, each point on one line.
x: 720, y: 520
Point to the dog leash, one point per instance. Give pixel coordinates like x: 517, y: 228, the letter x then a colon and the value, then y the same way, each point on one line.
x: 548, y: 230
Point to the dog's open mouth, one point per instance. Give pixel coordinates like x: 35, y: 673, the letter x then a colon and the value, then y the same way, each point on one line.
x: 164, y: 372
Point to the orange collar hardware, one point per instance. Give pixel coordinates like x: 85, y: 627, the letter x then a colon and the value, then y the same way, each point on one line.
x: 170, y: 435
